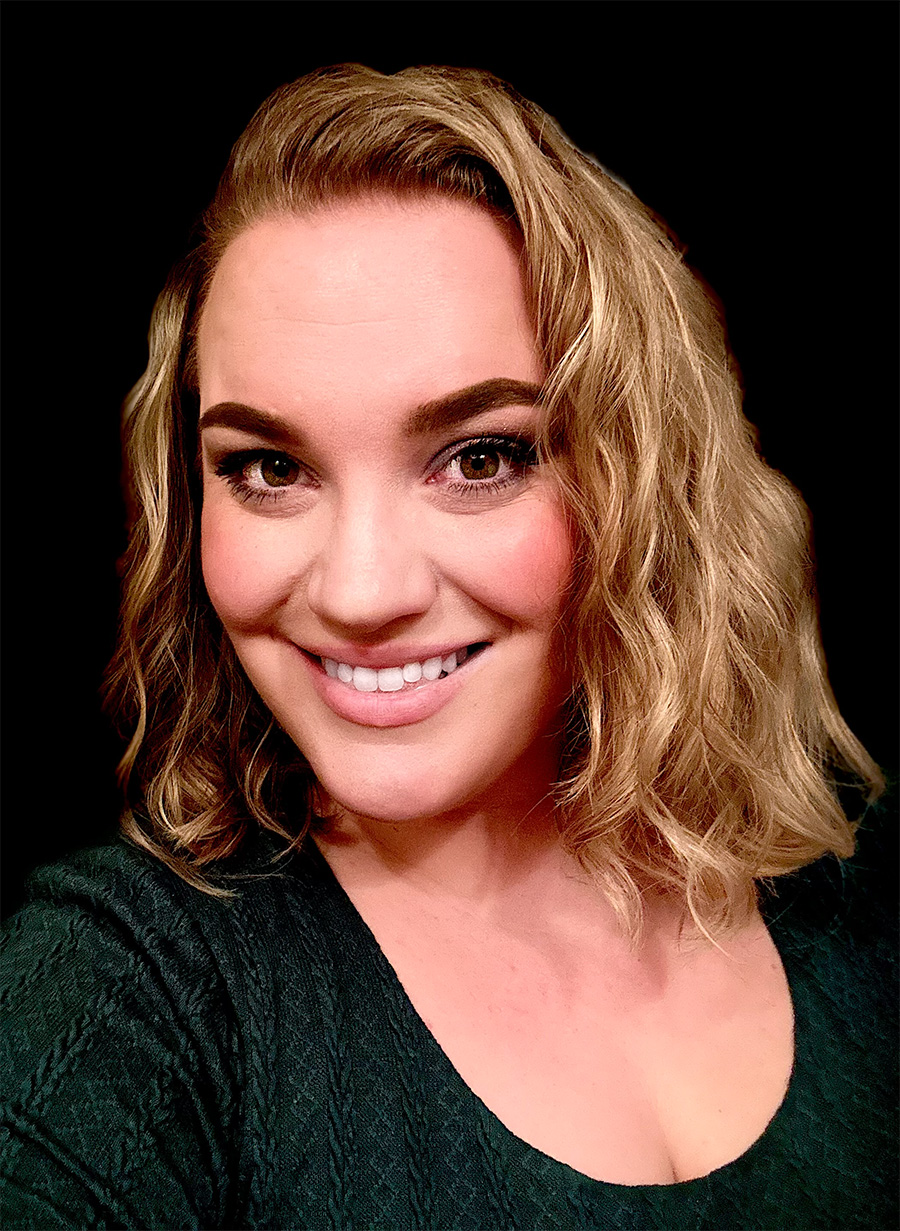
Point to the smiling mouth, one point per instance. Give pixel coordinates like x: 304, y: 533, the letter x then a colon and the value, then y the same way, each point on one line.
x: 399, y: 679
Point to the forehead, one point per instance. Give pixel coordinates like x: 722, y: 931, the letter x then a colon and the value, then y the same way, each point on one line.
x: 423, y: 294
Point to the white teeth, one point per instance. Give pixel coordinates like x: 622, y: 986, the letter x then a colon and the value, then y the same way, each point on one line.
x: 392, y: 679
x: 365, y: 679
x: 431, y: 668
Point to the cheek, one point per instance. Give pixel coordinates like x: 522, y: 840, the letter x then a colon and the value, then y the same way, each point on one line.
x: 242, y: 571
x: 517, y: 564
x: 522, y: 565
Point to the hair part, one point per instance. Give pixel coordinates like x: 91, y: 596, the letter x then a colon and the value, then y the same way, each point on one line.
x: 702, y: 738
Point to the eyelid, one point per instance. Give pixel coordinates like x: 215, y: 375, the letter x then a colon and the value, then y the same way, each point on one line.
x: 229, y: 461
x: 514, y: 442
x: 470, y: 494
x: 232, y: 467
x: 518, y: 449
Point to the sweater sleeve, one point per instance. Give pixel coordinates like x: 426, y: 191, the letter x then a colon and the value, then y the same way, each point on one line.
x: 119, y: 1097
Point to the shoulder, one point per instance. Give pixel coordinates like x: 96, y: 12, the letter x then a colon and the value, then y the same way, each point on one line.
x: 857, y: 896
x: 835, y: 923
x: 111, y: 911
x: 116, y: 1035
x: 109, y: 952
x: 139, y: 1010
x: 113, y: 933
x: 835, y: 926
x: 121, y: 910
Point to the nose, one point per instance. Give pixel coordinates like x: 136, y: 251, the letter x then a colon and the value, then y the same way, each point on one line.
x: 372, y: 568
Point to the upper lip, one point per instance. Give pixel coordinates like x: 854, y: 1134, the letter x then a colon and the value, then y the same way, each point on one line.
x: 378, y: 657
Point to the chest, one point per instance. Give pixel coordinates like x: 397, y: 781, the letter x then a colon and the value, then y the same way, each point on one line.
x: 634, y: 1069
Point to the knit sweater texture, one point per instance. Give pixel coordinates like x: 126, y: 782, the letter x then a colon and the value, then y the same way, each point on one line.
x: 176, y: 1061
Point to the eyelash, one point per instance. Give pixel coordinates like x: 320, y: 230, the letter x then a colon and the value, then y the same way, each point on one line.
x: 233, y: 469
x: 517, y: 452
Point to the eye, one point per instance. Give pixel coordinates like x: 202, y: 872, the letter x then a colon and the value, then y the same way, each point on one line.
x: 278, y: 471
x: 484, y: 466
x: 261, y: 475
x: 479, y: 463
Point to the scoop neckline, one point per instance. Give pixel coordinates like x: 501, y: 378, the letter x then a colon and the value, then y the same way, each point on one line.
x: 538, y: 1162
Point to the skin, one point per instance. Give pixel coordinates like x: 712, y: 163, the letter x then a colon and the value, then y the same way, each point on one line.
x: 342, y: 323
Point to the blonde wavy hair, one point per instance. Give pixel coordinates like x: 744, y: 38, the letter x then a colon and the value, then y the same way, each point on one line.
x: 703, y: 742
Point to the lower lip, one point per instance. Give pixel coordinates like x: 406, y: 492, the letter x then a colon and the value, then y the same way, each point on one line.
x: 388, y: 709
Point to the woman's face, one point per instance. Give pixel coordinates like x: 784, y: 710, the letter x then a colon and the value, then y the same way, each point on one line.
x: 372, y: 514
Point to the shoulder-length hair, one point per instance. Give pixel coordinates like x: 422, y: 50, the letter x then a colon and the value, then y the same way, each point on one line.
x: 702, y: 736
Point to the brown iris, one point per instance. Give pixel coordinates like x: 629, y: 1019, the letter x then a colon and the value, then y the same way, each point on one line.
x: 479, y: 464
x: 279, y: 471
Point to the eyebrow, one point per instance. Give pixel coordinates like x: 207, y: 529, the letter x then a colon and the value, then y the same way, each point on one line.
x: 247, y: 419
x: 440, y: 413
x: 456, y: 408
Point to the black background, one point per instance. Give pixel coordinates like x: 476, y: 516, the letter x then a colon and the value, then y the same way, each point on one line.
x: 764, y: 133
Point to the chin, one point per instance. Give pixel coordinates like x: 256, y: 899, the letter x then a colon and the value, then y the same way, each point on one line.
x: 399, y: 797
x: 404, y: 784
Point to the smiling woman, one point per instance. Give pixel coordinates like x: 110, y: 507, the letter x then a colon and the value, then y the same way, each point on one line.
x: 385, y: 541
x: 470, y: 664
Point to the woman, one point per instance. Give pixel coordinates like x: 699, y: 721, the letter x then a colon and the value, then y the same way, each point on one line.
x: 471, y: 659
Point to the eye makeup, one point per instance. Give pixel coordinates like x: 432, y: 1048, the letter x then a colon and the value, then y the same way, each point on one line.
x: 470, y: 469
x: 262, y: 476
x: 485, y: 465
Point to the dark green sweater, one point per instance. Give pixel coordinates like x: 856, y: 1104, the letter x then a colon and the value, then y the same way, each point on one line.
x: 181, y: 1061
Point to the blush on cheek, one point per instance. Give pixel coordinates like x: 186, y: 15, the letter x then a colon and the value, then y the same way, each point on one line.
x: 532, y: 564
x: 237, y: 580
